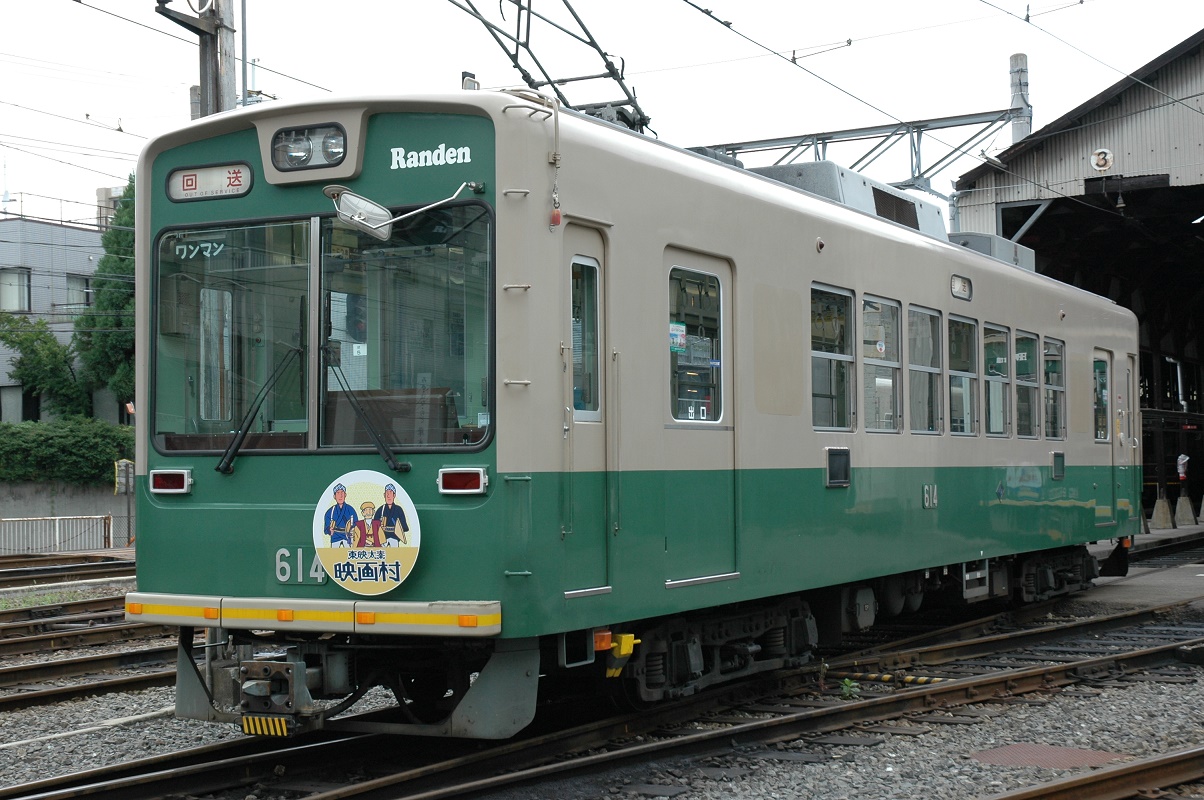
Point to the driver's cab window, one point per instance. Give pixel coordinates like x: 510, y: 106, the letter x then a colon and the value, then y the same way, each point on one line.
x: 405, y: 337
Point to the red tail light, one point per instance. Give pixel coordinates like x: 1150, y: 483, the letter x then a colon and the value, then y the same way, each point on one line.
x: 171, y: 481
x: 462, y: 481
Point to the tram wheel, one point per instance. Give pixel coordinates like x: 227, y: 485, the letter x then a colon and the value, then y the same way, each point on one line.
x: 433, y: 696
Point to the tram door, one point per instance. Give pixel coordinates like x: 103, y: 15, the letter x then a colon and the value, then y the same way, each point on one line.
x: 699, y: 495
x: 1126, y: 455
x: 1115, y: 426
x: 584, y: 521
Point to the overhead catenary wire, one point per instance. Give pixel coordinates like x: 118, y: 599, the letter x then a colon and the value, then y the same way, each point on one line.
x: 729, y: 25
x: 797, y: 56
x: 807, y: 51
x: 66, y: 147
x: 168, y: 34
x: 258, y: 66
x: 60, y: 161
x: 1028, y: 21
x: 71, y: 119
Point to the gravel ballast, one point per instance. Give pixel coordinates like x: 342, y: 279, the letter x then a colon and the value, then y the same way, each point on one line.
x: 1133, y: 720
x: 1136, y: 720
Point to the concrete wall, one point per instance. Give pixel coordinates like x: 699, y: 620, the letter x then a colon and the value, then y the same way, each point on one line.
x: 56, y: 499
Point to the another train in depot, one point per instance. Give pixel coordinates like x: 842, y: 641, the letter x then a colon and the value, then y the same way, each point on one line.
x: 467, y: 395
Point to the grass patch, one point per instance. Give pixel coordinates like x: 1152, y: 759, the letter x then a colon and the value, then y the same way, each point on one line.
x: 50, y: 597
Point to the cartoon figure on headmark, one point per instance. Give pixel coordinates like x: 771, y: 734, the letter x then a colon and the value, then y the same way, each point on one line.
x: 341, y: 519
x: 392, y: 518
x: 368, y: 528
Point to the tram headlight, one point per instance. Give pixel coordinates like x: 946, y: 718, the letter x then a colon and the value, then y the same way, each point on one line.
x: 292, y: 152
x: 309, y: 148
x: 334, y: 146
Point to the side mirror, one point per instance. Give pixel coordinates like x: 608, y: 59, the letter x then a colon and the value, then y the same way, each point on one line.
x: 361, y: 213
x: 373, y: 218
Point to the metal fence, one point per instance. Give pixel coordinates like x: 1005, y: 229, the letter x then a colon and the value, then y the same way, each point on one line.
x: 64, y: 534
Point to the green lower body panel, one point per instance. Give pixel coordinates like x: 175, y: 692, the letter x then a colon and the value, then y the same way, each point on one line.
x: 565, y: 552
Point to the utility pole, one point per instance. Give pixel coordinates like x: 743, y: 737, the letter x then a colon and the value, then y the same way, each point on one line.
x: 214, y: 26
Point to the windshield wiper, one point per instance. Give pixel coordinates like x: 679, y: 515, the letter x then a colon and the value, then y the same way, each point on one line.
x: 377, y: 440
x: 225, y: 465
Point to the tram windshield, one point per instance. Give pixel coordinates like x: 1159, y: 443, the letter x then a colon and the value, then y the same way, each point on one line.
x: 406, y: 330
x: 398, y: 340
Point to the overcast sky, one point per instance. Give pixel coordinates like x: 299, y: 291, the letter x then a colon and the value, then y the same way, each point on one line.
x: 72, y: 72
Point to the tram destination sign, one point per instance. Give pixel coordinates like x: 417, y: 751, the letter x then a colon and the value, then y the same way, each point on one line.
x: 209, y: 183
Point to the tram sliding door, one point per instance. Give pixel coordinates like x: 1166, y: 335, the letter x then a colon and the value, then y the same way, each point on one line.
x: 699, y: 496
x: 1126, y: 453
x: 584, y: 520
x: 1114, y: 378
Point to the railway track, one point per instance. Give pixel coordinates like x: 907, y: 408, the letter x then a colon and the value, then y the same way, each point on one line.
x: 68, y: 625
x: 993, y: 669
x: 42, y: 569
x: 81, y: 637
x: 112, y: 605
x: 24, y: 685
x: 912, y: 656
x: 1141, y: 778
x: 81, y: 624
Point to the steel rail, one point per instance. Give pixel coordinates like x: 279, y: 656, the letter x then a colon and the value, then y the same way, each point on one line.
x: 65, y: 622
x: 84, y: 665
x: 944, y: 652
x: 36, y: 576
x: 52, y: 610
x: 785, y: 727
x: 58, y: 694
x: 188, y: 773
x: 1134, y: 778
x: 532, y: 760
x: 969, y: 629
x: 32, y: 559
x: 61, y: 640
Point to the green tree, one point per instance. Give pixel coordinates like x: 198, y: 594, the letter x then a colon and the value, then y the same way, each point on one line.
x: 104, y: 337
x: 78, y: 450
x: 44, y: 365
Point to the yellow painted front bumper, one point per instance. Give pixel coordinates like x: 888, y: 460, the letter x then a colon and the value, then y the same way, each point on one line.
x: 443, y: 618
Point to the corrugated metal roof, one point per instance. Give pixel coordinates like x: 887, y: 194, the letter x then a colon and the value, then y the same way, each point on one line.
x: 1071, y: 118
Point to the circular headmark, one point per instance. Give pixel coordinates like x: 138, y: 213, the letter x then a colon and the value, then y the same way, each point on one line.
x: 366, y: 532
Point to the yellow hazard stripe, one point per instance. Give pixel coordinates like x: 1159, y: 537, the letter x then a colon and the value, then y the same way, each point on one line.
x: 887, y: 677
x: 299, y: 615
x: 469, y: 618
x: 265, y: 726
x: 185, y: 612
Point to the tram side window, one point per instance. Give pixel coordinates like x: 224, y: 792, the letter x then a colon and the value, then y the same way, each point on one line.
x: 963, y: 375
x: 924, y: 368
x: 695, y: 345
x: 585, y: 336
x: 1028, y: 409
x: 1055, y: 390
x: 996, y: 366
x: 1100, y: 399
x: 831, y: 358
x: 880, y: 357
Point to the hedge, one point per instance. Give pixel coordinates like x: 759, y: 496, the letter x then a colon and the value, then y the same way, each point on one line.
x: 76, y: 450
